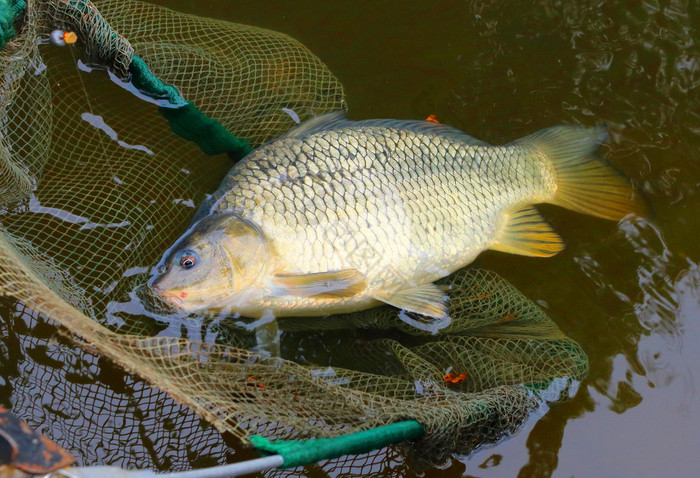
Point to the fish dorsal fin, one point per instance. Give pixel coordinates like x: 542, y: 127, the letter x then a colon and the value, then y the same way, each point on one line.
x: 337, y: 119
x: 528, y: 234
x: 324, y: 122
x: 424, y: 127
x: 344, y: 283
x: 428, y: 300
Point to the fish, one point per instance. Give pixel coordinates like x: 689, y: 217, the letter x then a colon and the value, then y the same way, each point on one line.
x: 339, y: 216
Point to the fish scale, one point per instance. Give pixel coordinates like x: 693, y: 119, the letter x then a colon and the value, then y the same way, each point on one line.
x: 338, y: 216
x: 428, y: 205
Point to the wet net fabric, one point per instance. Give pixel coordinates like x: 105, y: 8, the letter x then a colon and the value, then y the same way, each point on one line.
x: 94, y: 187
x: 99, y: 412
x: 245, y: 77
x: 240, y: 75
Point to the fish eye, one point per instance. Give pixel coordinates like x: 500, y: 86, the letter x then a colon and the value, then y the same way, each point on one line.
x: 188, y: 259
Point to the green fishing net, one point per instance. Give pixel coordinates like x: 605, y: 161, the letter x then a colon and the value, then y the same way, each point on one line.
x: 95, y: 185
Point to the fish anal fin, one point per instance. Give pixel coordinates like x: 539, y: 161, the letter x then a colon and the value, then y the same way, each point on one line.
x: 427, y: 300
x: 528, y: 234
x: 343, y: 283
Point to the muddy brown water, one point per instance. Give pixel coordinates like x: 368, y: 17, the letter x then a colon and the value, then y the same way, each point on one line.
x: 629, y: 293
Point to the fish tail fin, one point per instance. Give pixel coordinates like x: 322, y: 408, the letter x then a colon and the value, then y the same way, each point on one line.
x: 585, y: 182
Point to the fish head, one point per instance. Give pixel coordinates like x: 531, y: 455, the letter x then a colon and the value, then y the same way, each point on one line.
x: 219, y: 262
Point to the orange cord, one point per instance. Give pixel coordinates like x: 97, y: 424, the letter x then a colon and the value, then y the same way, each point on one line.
x: 453, y: 378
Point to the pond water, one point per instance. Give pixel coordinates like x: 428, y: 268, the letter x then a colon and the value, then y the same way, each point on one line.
x: 628, y: 293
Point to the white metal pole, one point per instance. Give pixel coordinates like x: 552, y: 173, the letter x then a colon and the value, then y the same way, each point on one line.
x: 223, y: 471
x: 234, y: 469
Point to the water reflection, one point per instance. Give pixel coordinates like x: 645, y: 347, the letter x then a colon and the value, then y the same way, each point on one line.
x: 657, y: 383
x: 652, y: 298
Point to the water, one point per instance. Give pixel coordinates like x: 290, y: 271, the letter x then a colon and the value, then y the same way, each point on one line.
x: 628, y: 293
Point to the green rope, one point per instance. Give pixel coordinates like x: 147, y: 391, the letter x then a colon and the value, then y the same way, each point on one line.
x: 190, y: 123
x: 186, y: 120
x: 144, y: 79
x: 298, y: 453
x: 10, y: 12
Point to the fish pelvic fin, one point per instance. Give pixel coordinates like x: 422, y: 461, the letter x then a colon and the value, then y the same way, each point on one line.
x: 344, y: 283
x: 527, y: 233
x: 585, y: 182
x: 428, y: 300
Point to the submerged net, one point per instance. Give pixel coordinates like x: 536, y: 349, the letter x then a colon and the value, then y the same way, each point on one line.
x: 94, y: 186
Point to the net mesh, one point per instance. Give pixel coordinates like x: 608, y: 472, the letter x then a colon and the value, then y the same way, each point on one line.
x: 94, y: 187
x: 240, y: 75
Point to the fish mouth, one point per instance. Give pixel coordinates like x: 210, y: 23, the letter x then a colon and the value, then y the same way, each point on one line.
x: 173, y: 298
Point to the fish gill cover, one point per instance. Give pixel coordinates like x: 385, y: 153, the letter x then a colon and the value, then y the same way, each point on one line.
x: 94, y: 187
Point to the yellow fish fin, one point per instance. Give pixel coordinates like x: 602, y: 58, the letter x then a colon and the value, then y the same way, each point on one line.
x: 428, y: 300
x: 324, y: 122
x: 584, y: 182
x: 345, y: 283
x: 528, y: 234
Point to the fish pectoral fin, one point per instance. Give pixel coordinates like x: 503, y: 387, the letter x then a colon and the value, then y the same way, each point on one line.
x: 344, y: 283
x: 528, y: 234
x: 428, y: 300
